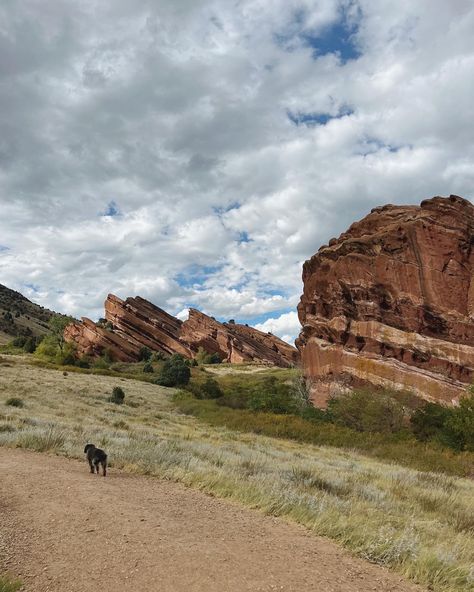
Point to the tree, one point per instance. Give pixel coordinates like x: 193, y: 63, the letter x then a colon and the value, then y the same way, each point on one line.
x: 458, y: 431
x: 57, y: 324
x: 428, y: 421
x: 175, y: 372
x: 145, y: 353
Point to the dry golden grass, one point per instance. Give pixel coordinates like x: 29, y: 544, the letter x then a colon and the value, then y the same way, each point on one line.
x: 420, y: 524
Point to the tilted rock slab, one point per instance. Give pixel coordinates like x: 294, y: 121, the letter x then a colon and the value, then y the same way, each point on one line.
x: 236, y: 343
x: 137, y: 323
x: 391, y: 303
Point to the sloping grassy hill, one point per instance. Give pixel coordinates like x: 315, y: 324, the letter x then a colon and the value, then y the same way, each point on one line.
x: 418, y: 523
x: 20, y: 316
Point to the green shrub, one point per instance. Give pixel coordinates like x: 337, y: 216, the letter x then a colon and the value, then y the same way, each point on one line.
x: 274, y: 396
x: 175, y: 372
x: 148, y: 368
x: 83, y: 362
x: 427, y: 422
x: 118, y: 395
x: 144, y: 354
x: 204, y: 357
x: 458, y: 430
x: 209, y: 389
x: 159, y: 356
x: 450, y: 426
x: 365, y: 411
x: 14, y: 402
x: 48, y: 348
x: 101, y: 363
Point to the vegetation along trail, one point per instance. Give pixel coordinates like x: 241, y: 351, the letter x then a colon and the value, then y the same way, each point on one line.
x: 65, y: 529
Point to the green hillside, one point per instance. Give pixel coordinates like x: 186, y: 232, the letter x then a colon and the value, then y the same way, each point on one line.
x: 20, y: 316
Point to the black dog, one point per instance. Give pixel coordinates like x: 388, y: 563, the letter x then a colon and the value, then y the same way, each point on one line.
x: 96, y: 457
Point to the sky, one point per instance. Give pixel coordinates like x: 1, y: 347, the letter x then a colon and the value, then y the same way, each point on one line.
x: 195, y: 153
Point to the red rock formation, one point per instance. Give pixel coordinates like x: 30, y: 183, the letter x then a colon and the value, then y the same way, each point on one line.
x: 135, y: 323
x: 92, y: 340
x: 391, y: 302
x: 140, y: 322
x: 235, y: 343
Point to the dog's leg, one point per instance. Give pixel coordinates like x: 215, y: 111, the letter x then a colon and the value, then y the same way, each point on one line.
x: 96, y: 464
x: 91, y: 466
x: 104, y: 467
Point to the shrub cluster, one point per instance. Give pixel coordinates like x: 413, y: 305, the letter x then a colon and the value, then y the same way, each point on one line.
x: 204, y: 357
x: 209, y: 389
x: 449, y: 426
x: 118, y: 396
x: 175, y: 372
x: 27, y: 344
x: 365, y: 411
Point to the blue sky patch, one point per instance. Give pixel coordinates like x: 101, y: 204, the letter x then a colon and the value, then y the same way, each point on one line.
x: 338, y: 39
x: 112, y: 209
x: 33, y: 287
x: 311, y: 119
x: 4, y: 248
x: 196, y: 275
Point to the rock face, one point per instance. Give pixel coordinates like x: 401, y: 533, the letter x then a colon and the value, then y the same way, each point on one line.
x: 391, y: 303
x: 236, y: 343
x: 135, y: 322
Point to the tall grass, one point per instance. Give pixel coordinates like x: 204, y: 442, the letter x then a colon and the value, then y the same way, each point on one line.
x: 418, y: 523
x: 401, y: 447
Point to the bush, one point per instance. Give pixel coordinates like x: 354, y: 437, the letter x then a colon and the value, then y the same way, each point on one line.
x: 273, y: 396
x: 144, y: 354
x: 209, y: 389
x: 428, y: 421
x: 365, y: 411
x: 450, y: 426
x: 83, y: 362
x: 101, y: 363
x: 204, y: 357
x: 14, y: 402
x: 148, y: 367
x: 118, y: 396
x: 175, y: 372
x: 159, y: 356
x: 458, y: 430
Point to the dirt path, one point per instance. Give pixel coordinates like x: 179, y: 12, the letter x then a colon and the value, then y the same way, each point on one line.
x: 65, y: 530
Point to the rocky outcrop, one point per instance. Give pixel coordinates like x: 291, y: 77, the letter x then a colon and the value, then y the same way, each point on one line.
x: 391, y: 303
x: 134, y: 323
x: 141, y: 323
x: 235, y: 343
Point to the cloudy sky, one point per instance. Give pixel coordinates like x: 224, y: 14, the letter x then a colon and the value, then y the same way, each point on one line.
x: 196, y: 152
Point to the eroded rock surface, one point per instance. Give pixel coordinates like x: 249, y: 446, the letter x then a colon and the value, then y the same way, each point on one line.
x: 135, y: 322
x: 391, y: 302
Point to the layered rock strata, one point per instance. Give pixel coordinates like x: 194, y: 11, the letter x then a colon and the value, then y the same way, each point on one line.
x: 235, y: 343
x: 391, y: 303
x: 134, y: 323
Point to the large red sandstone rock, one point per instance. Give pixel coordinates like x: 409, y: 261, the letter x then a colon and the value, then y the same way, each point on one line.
x: 236, y: 343
x: 135, y: 322
x: 391, y: 303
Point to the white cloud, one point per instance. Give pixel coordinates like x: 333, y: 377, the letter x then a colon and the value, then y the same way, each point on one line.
x: 178, y: 113
x: 286, y: 326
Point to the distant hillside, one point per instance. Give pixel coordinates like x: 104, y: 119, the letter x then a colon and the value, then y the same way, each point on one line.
x: 20, y: 316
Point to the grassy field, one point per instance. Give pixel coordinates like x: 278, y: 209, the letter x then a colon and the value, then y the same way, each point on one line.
x: 401, y: 448
x: 418, y: 523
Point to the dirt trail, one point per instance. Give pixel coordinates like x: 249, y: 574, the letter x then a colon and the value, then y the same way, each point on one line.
x: 65, y: 530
